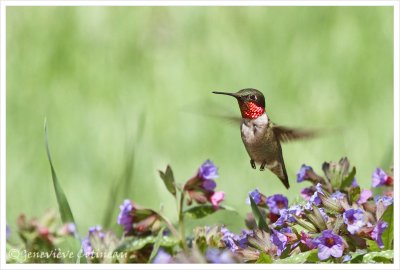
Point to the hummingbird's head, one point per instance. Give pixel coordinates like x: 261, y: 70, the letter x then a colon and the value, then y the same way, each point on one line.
x: 251, y: 102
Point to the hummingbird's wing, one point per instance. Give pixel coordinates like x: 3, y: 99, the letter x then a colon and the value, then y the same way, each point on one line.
x: 287, y: 134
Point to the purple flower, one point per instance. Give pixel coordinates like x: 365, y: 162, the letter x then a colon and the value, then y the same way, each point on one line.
x: 209, y: 185
x: 229, y: 239
x: 379, y: 178
x: 256, y: 196
x: 313, y: 200
x: 215, y: 255
x: 242, y: 240
x: 319, y: 188
x: 323, y: 214
x: 337, y: 195
x: 86, y: 245
x: 277, y: 202
x: 96, y: 229
x: 376, y: 233
x: 125, y: 217
x: 162, y: 257
x: 386, y: 200
x: 354, y: 219
x: 329, y: 244
x: 287, y: 215
x: 67, y: 229
x: 208, y: 171
x: 302, y: 174
x: 307, y: 240
x: 280, y: 240
x: 306, y: 193
x: 364, y: 196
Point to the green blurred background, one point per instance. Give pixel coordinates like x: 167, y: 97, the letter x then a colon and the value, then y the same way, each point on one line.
x: 127, y: 90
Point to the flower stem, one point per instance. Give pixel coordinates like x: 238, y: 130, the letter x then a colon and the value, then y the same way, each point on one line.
x: 181, y: 223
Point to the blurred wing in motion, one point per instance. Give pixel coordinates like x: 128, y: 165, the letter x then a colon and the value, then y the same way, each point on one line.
x: 213, y: 110
x: 287, y: 134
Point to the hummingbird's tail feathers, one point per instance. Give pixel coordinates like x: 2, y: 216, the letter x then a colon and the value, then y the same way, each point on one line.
x: 280, y: 170
x: 287, y: 134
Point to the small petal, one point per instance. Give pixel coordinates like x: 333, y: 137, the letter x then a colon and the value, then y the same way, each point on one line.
x: 208, y: 171
x: 323, y: 252
x: 379, y: 178
x: 302, y: 174
x: 336, y: 251
x: 364, y: 196
x: 216, y: 198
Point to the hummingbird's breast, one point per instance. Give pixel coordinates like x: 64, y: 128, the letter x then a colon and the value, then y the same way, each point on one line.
x: 258, y: 138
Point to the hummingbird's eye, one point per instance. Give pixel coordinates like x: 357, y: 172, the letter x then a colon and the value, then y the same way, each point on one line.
x: 252, y: 97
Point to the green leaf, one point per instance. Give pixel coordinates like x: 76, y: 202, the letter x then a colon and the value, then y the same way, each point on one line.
x: 372, y: 245
x: 157, y: 245
x: 201, y: 211
x: 348, y: 180
x: 299, y: 258
x: 354, y: 194
x: 387, y: 235
x: 168, y: 179
x: 259, y: 217
x: 357, y: 256
x: 63, y: 205
x: 385, y: 256
x: 264, y: 258
x: 313, y: 256
x: 136, y: 243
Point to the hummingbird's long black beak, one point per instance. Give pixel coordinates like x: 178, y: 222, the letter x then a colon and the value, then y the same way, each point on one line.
x: 228, y: 94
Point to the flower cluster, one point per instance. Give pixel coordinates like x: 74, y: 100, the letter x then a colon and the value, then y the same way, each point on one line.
x: 98, y: 245
x: 40, y: 235
x: 137, y: 220
x: 335, y: 221
x: 336, y: 218
x: 200, y: 188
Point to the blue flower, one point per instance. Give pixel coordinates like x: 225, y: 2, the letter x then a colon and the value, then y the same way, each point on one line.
x: 209, y: 184
x: 306, y: 193
x: 256, y: 196
x: 229, y: 239
x: 354, y: 219
x: 379, y: 178
x: 287, y: 215
x: 162, y: 257
x: 279, y: 240
x: 386, y: 200
x: 125, y: 217
x: 329, y: 244
x: 337, y: 195
x: 364, y: 196
x: 303, y: 173
x: 277, y: 202
x: 376, y: 233
x: 86, y: 245
x: 208, y: 171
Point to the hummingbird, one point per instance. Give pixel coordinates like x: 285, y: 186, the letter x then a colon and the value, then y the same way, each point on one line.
x: 261, y: 137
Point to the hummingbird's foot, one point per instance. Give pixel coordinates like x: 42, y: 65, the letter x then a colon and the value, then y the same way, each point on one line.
x: 262, y: 167
x: 253, y: 164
